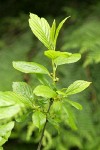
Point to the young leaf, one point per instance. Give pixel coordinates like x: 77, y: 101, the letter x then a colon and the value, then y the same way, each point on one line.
x: 59, y: 28
x: 39, y: 119
x: 52, y: 54
x: 56, y: 54
x: 23, y: 89
x: 52, y: 33
x: 5, y: 131
x: 67, y: 58
x: 75, y: 104
x: 77, y: 87
x: 41, y: 29
x: 44, y: 91
x: 52, y: 30
x: 30, y: 67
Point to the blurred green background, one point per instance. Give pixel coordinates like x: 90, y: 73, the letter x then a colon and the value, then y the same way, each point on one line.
x: 81, y: 33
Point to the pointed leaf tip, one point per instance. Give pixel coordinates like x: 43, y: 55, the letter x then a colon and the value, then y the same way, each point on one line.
x: 75, y: 104
x: 66, y: 58
x: 77, y: 87
x: 59, y: 28
x: 40, y: 28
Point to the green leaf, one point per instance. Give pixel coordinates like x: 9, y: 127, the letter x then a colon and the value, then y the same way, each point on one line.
x: 23, y: 89
x: 67, y: 58
x: 42, y: 79
x: 75, y: 104
x: 10, y: 111
x: 41, y: 102
x: 12, y: 103
x: 44, y: 91
x: 6, y: 128
x: 61, y: 93
x: 1, y: 148
x: 59, y: 28
x: 13, y: 98
x: 5, y: 131
x: 77, y: 87
x: 29, y: 67
x: 56, y: 54
x: 39, y: 119
x: 8, y: 99
x: 70, y: 117
x: 52, y: 54
x: 52, y: 33
x: 57, y: 106
x: 41, y: 29
x: 5, y: 100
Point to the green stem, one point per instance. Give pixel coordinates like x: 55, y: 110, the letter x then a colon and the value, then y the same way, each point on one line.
x: 54, y: 72
x: 51, y: 101
x: 40, y: 143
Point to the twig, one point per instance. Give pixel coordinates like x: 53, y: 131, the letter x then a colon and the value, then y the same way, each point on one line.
x: 40, y: 143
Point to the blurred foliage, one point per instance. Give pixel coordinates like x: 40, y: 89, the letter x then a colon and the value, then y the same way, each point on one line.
x: 81, y: 33
x: 86, y: 39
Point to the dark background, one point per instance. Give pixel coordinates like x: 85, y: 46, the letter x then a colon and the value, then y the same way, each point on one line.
x: 42, y: 7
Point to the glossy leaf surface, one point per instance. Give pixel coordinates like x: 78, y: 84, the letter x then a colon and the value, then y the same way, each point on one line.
x: 55, y: 54
x: 15, y: 98
x: 40, y: 28
x: 10, y: 98
x: 59, y: 28
x: 29, y: 67
x: 44, y: 91
x: 77, y: 87
x: 52, y: 34
x: 23, y: 89
x: 66, y: 59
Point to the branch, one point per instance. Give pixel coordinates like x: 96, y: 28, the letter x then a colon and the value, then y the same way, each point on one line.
x: 40, y: 143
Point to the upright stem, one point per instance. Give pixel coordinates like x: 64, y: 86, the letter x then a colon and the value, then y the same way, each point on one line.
x: 54, y: 72
x: 40, y: 143
x: 51, y: 101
